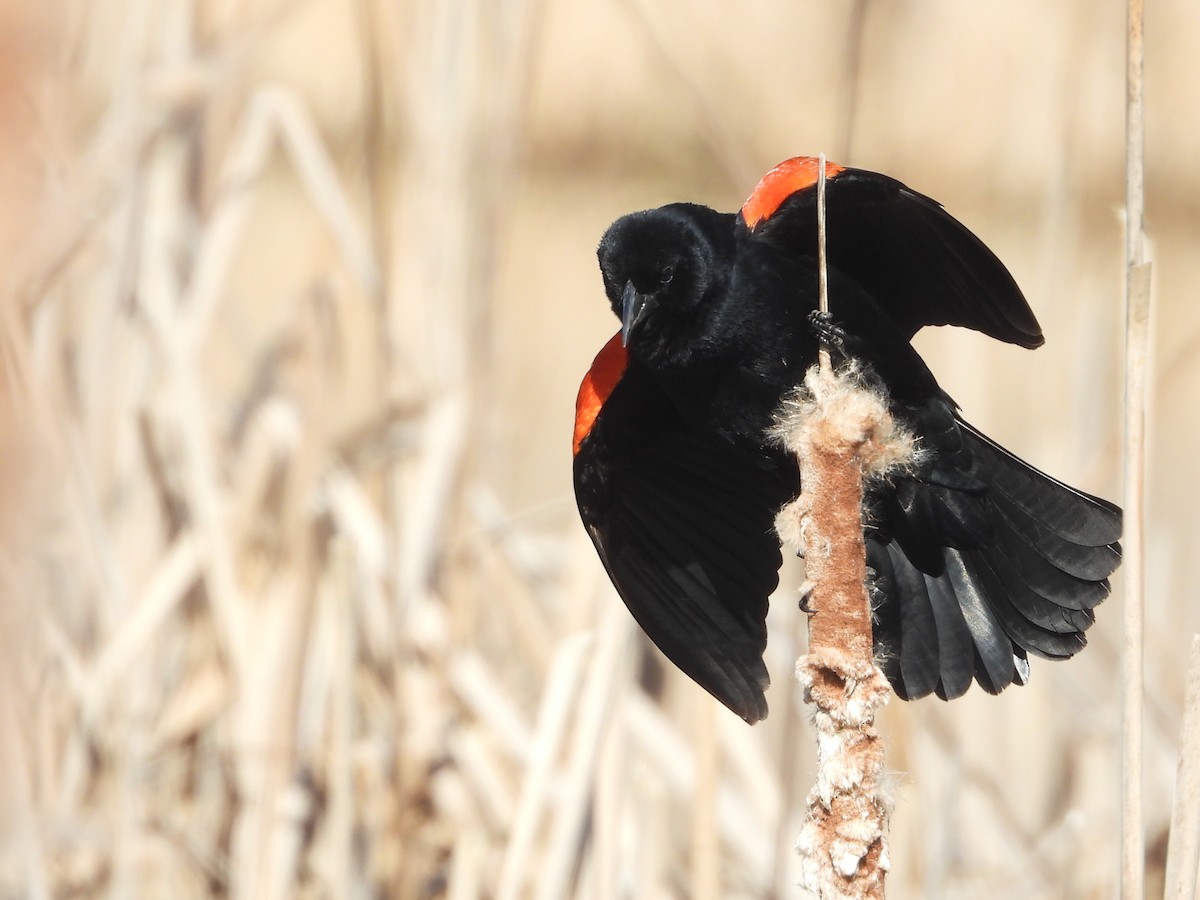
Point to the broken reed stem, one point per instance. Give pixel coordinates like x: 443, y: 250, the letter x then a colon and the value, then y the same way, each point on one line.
x: 1137, y: 312
x: 841, y: 433
x: 1183, y: 846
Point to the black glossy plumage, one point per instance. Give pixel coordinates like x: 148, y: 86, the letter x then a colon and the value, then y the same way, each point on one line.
x: 978, y: 559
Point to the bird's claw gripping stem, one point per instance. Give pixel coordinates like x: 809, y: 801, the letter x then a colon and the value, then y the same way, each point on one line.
x: 827, y: 330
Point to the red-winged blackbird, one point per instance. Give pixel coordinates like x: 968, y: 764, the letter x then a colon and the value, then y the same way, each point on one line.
x: 976, y: 558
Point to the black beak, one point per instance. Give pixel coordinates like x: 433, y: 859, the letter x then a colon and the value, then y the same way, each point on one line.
x: 633, y: 305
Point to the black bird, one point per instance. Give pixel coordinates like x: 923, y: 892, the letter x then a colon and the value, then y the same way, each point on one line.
x: 976, y: 558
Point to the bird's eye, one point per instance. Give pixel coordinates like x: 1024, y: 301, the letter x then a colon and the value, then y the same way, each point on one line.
x: 666, y: 274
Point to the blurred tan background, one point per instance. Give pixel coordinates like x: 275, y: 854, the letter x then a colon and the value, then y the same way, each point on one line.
x: 296, y: 299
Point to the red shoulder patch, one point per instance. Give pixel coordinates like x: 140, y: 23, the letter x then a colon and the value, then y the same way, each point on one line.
x: 607, y: 369
x: 796, y: 174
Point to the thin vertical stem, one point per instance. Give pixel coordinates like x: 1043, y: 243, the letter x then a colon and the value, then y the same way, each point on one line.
x: 1137, y: 294
x: 1183, y: 846
x: 851, y: 78
x: 706, y: 843
x: 822, y: 265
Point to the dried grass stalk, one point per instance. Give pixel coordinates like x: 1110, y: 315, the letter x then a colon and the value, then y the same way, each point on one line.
x: 1137, y: 320
x: 1183, y: 849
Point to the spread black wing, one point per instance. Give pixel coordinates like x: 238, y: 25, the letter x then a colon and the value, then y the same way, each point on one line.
x: 919, y: 262
x: 683, y: 520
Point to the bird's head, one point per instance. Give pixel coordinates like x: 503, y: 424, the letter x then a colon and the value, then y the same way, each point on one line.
x: 659, y: 266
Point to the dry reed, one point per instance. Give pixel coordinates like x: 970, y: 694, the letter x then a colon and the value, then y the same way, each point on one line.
x: 1137, y: 330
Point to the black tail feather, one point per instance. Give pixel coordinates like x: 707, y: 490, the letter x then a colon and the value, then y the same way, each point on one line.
x: 993, y: 646
x: 969, y: 580
x: 1084, y: 562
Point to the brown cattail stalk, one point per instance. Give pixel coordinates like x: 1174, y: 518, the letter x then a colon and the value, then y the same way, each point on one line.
x: 841, y: 433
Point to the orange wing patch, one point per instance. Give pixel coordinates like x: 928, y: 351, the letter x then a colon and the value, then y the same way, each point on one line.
x: 607, y: 369
x: 796, y: 174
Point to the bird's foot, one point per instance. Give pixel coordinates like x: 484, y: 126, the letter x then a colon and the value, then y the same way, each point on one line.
x: 830, y: 333
x: 806, y: 590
